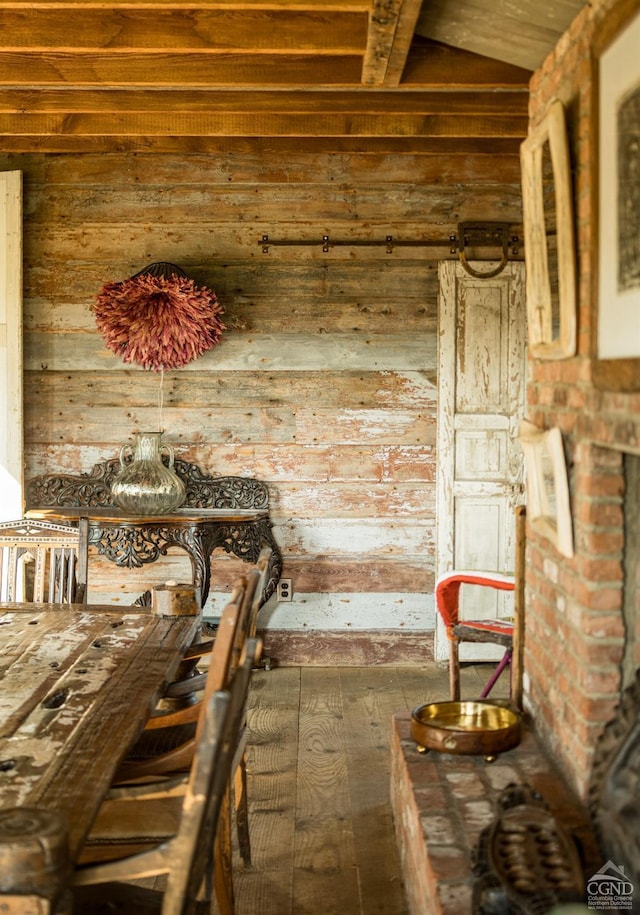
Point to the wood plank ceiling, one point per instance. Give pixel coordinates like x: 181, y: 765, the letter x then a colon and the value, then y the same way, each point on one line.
x: 442, y: 77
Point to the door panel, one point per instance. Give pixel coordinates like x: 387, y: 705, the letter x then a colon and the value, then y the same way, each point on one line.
x: 11, y: 472
x: 479, y: 452
x: 481, y: 402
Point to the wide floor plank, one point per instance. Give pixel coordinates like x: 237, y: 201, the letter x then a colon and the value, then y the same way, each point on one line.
x: 267, y: 886
x: 318, y: 761
x: 368, y: 704
x: 324, y: 848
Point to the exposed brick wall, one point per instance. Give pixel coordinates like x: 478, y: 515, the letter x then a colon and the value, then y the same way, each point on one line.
x: 574, y: 625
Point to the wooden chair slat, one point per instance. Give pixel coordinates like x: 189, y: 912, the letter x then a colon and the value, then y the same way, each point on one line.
x: 167, y: 746
x: 193, y: 816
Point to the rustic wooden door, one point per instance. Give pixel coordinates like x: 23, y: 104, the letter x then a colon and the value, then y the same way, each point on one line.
x: 481, y: 385
x: 10, y: 345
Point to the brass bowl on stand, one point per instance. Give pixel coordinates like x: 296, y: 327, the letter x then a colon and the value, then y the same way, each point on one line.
x: 471, y: 727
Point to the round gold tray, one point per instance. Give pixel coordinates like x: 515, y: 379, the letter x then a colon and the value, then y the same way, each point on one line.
x: 472, y: 727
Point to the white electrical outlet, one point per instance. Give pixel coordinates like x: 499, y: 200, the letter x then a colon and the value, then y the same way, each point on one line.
x: 285, y: 591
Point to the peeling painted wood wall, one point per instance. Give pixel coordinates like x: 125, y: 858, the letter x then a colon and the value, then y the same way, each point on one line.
x: 324, y: 384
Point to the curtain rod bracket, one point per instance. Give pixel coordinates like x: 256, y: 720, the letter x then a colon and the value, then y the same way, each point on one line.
x: 481, y: 235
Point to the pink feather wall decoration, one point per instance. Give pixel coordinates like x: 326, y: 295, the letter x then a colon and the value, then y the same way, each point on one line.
x: 159, y: 318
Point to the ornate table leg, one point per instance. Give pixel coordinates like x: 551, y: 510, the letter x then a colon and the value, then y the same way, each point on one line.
x: 199, y: 542
x: 243, y: 539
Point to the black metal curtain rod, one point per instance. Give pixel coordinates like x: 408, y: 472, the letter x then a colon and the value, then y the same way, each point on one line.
x: 469, y: 235
x: 389, y: 242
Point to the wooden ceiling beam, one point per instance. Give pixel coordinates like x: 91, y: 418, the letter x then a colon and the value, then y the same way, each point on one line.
x: 184, y: 30
x: 179, y: 76
x: 498, y: 152
x: 291, y: 6
x: 129, y: 68
x: 436, y: 68
x: 159, y: 123
x: 391, y: 27
x: 419, y: 102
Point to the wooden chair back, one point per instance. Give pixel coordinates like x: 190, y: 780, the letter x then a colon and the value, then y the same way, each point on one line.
x: 224, y: 659
x: 262, y: 566
x: 186, y: 858
x: 198, y: 828
x: 43, y: 562
x: 222, y: 664
x: 251, y: 603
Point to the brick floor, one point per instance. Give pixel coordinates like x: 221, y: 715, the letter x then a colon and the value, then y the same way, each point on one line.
x: 442, y: 802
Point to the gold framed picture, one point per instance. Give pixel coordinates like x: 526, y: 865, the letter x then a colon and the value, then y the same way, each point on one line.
x: 549, y: 242
x: 548, y: 507
x: 616, y: 200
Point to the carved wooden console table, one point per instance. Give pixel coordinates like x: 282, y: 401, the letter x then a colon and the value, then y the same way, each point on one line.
x: 231, y: 513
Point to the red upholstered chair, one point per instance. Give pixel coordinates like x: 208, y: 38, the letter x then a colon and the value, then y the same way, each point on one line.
x: 497, y: 631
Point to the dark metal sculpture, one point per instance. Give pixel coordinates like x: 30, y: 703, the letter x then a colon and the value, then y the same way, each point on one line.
x: 526, y: 863
x: 614, y: 793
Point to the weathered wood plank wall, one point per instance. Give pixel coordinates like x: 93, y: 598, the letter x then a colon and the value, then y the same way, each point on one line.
x: 325, y: 382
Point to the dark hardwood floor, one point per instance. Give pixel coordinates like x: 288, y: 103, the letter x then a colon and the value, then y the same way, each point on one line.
x: 322, y: 833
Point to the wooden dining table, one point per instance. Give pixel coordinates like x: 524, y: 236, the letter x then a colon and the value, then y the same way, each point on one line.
x: 77, y: 683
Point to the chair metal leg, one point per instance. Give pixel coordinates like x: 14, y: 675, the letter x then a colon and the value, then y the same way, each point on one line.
x: 242, y: 811
x: 454, y: 670
x: 505, y: 662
